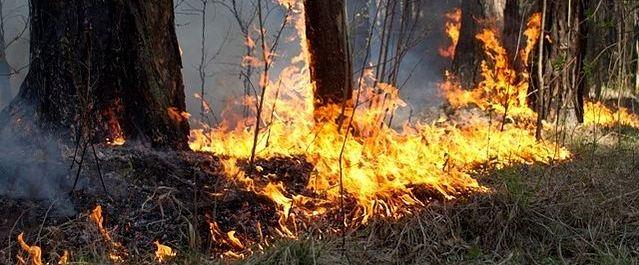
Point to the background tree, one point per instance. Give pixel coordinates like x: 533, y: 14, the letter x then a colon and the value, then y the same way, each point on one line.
x: 5, y: 69
x: 99, y: 67
x: 359, y: 29
x: 560, y: 80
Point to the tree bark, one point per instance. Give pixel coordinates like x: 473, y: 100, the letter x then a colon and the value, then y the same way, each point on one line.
x: 330, y: 63
x: 563, y: 60
x: 107, y: 66
x: 476, y: 15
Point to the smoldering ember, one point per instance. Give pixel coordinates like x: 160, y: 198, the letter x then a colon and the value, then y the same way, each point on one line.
x: 319, y: 132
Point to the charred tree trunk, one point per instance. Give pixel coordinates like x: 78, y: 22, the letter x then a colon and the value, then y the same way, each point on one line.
x: 563, y: 60
x: 512, y: 34
x: 329, y: 53
x: 113, y: 67
x: 476, y: 15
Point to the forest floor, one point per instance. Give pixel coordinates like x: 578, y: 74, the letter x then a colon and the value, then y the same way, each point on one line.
x: 584, y: 211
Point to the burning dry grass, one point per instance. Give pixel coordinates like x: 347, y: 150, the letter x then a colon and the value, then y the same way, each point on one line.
x: 582, y: 212
x: 390, y: 188
x: 382, y: 170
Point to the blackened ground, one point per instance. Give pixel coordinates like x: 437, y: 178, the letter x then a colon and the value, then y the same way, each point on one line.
x: 171, y: 197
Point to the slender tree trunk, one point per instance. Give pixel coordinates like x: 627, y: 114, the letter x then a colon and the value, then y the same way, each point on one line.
x: 105, y: 65
x: 329, y: 53
x: 5, y: 69
x: 359, y: 15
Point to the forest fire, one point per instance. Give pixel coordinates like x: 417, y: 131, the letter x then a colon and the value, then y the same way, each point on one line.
x: 452, y: 29
x: 315, y: 156
x: 379, y: 167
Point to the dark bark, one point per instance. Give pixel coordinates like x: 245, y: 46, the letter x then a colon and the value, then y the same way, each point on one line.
x: 513, y: 27
x: 476, y: 15
x: 563, y: 57
x: 330, y: 63
x: 103, y: 64
x: 600, y: 53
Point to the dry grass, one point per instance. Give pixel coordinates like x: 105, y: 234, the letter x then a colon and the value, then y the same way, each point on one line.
x: 585, y: 211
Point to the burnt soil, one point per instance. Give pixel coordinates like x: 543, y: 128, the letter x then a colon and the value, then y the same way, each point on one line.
x: 172, y: 197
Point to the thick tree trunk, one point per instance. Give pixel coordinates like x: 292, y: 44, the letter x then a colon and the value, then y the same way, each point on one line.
x: 111, y: 66
x: 329, y: 53
x: 476, y: 15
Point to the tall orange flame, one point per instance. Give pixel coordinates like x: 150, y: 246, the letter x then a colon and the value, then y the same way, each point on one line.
x: 452, y: 29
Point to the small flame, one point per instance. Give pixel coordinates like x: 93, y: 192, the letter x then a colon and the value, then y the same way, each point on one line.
x: 234, y: 240
x: 453, y: 29
x: 96, y: 217
x: 532, y: 33
x: 35, y: 253
x: 116, y: 135
x: 163, y: 253
x: 64, y: 259
x: 116, y: 252
x: 229, y: 239
x: 178, y: 116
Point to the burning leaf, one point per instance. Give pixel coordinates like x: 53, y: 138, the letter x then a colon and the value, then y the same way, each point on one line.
x: 163, y: 253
